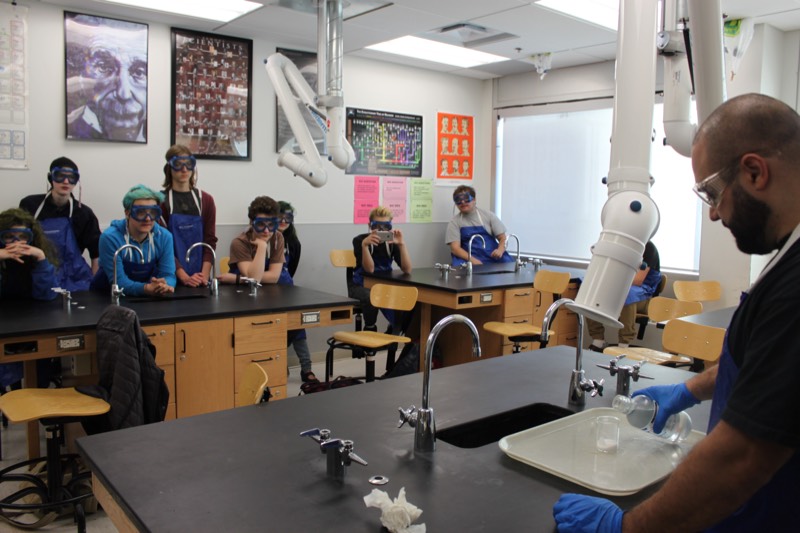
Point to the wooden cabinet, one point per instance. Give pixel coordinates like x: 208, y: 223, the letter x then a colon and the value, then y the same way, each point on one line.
x: 565, y: 325
x: 262, y: 339
x: 163, y: 338
x: 203, y: 366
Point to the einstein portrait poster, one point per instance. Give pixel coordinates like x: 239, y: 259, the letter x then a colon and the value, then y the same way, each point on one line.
x: 106, y: 79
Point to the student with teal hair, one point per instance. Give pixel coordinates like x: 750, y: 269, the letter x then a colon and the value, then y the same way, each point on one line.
x: 155, y: 276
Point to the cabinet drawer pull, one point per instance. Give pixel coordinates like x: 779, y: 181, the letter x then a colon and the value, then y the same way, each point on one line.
x: 266, y: 359
x: 162, y: 332
x: 522, y: 294
x: 267, y: 323
x: 523, y: 321
x: 183, y: 332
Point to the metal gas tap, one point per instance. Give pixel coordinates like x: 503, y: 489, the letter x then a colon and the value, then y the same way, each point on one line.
x: 339, y: 452
x: 624, y: 374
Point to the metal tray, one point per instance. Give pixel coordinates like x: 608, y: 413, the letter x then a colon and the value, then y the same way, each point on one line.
x: 566, y: 448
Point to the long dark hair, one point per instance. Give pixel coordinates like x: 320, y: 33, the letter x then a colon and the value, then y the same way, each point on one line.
x: 290, y: 233
x: 18, y: 217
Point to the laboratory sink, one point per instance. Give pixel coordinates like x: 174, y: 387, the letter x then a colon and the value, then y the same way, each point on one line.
x: 493, y: 428
x: 490, y: 272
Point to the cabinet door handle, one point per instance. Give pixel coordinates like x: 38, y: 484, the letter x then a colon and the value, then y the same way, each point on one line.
x: 539, y: 296
x: 183, y: 332
x: 267, y: 323
x: 523, y: 321
x: 522, y: 294
x: 267, y: 359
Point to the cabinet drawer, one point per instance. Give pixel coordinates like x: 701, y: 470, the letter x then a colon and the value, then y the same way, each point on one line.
x: 314, y: 318
x: 273, y: 363
x: 568, y: 339
x: 518, y: 301
x: 259, y: 333
x: 163, y: 338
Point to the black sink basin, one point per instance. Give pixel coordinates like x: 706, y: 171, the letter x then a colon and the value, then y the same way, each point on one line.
x: 493, y: 428
x: 169, y: 298
x: 489, y: 273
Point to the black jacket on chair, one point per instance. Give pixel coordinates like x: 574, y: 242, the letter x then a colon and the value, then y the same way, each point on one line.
x: 128, y: 376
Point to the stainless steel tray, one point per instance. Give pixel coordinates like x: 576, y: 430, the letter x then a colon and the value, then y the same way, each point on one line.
x: 566, y: 448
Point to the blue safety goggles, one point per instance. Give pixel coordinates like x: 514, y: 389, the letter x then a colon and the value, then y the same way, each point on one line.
x: 140, y: 213
x: 180, y: 162
x: 10, y: 236
x: 287, y: 217
x: 264, y: 224
x: 60, y: 175
x: 380, y: 226
x: 462, y: 198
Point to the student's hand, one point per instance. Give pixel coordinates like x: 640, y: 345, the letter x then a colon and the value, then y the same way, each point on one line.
x: 7, y: 253
x: 18, y: 251
x: 371, y: 238
x: 195, y: 280
x: 475, y: 261
x: 183, y: 277
x: 497, y: 253
x: 158, y: 287
x: 398, y: 237
x: 260, y: 239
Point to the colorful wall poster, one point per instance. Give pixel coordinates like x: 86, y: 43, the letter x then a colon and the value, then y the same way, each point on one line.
x: 420, y: 205
x: 455, y: 144
x: 366, y: 195
x: 385, y: 143
x: 395, y: 192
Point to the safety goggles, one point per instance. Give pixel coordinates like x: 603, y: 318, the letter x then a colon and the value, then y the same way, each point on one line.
x: 462, y: 198
x: 710, y: 189
x: 60, y: 175
x: 180, y: 162
x: 10, y: 236
x: 287, y: 217
x: 141, y: 213
x: 264, y: 224
x: 380, y: 226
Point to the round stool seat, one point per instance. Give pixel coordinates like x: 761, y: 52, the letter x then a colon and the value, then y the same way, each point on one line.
x: 24, y: 405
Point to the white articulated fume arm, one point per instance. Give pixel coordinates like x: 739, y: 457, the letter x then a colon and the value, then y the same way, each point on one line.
x: 327, y: 109
x: 630, y: 217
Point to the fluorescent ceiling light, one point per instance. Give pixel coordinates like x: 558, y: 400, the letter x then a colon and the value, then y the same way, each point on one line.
x: 437, y: 52
x: 601, y: 12
x: 220, y: 10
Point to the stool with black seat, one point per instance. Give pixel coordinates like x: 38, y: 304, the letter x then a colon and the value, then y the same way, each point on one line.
x: 67, y: 484
x: 545, y: 281
x: 367, y: 343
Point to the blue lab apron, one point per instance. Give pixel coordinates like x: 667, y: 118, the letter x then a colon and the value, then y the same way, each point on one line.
x: 72, y: 273
x: 772, y: 508
x: 286, y: 279
x: 645, y: 291
x: 187, y: 230
x: 133, y: 268
x: 382, y: 264
x: 484, y: 255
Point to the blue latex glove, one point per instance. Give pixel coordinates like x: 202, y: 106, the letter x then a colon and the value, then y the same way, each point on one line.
x: 575, y: 513
x: 671, y: 399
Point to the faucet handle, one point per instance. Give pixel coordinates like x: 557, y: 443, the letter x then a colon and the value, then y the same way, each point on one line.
x: 407, y: 415
x: 596, y: 387
x: 350, y: 455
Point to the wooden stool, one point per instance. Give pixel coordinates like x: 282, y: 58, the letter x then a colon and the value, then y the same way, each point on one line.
x: 53, y: 408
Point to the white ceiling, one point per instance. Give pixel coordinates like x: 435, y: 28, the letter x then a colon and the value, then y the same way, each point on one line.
x: 535, y: 29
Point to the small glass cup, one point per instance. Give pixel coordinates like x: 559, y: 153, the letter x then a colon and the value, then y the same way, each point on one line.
x: 607, y: 434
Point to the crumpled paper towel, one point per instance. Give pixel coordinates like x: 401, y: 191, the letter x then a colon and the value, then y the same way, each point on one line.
x: 397, y: 515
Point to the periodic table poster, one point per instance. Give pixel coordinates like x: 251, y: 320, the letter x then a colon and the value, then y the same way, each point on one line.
x: 385, y: 143
x: 455, y: 144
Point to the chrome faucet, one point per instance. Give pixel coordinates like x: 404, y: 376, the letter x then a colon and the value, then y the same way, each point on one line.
x: 213, y: 283
x: 422, y: 419
x: 517, y: 262
x: 116, y: 291
x: 578, y: 383
x: 340, y: 453
x: 469, y: 251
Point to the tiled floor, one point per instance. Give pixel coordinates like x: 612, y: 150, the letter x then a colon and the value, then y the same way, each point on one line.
x: 14, y: 446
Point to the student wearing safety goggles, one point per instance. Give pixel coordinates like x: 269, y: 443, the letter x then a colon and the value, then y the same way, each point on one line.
x: 257, y: 253
x: 153, y: 273
x: 71, y: 226
x: 472, y: 220
x: 190, y: 215
x: 375, y: 252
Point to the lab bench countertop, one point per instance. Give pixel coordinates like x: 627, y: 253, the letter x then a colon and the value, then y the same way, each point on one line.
x: 26, y: 317
x: 248, y: 469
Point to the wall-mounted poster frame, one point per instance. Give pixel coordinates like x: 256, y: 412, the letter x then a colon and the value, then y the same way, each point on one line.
x: 102, y: 56
x: 212, y: 94
x: 386, y: 143
x: 455, y: 146
x: 306, y: 63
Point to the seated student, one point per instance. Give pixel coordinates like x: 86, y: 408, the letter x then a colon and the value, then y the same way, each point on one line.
x: 642, y: 289
x: 26, y: 272
x: 296, y: 338
x: 373, y: 255
x: 156, y: 275
x: 258, y: 252
x: 71, y: 227
x: 472, y: 220
x: 190, y: 215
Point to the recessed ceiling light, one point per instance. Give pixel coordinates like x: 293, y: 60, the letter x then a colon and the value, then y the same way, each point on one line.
x: 601, y: 12
x: 219, y: 10
x: 447, y: 54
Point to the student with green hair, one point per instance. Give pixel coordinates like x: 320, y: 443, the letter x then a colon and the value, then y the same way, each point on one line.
x: 155, y: 276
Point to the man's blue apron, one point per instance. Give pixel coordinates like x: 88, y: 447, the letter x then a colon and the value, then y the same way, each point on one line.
x: 73, y: 273
x: 187, y: 230
x: 772, y: 508
x: 484, y: 255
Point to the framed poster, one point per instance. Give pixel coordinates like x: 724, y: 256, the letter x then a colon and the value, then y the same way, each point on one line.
x: 306, y: 63
x: 106, y: 79
x: 385, y: 143
x: 211, y: 94
x: 455, y: 146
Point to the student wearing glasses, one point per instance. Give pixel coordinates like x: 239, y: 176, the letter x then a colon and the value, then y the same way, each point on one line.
x: 258, y: 252
x: 190, y: 215
x: 376, y: 251
x: 472, y: 220
x: 154, y: 273
x: 71, y: 226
